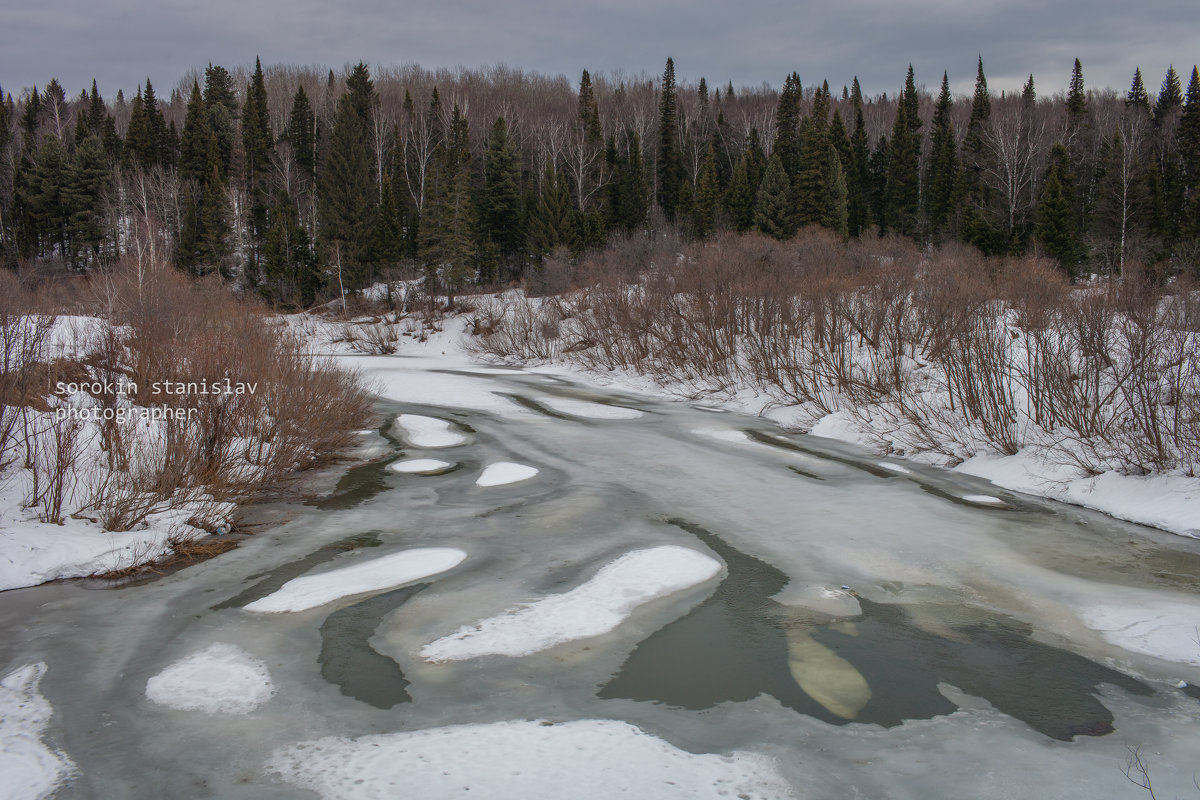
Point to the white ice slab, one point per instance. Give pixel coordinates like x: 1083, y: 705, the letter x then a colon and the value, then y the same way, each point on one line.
x: 503, y: 472
x: 897, y: 468
x: 419, y: 466
x: 28, y: 767
x: 422, y: 431
x: 220, y: 679
x: 594, y: 608
x: 983, y: 500
x: 524, y: 760
x: 582, y: 408
x: 310, y: 591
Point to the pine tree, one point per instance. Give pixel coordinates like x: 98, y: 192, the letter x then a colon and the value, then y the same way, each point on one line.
x: 448, y: 232
x: 223, y: 109
x: 346, y: 191
x: 858, y: 201
x: 88, y: 179
x: 551, y: 224
x: 257, y: 138
x: 301, y: 134
x: 289, y: 263
x: 1077, y: 104
x: 670, y: 159
x: 975, y: 225
x: 912, y: 105
x: 193, y: 147
x: 140, y: 148
x: 773, y: 210
x: 811, y: 182
x: 500, y: 213
x: 903, y: 178
x: 1170, y: 97
x: 1137, y: 97
x: 1056, y: 228
x: 1187, y: 139
x: 740, y: 197
x: 942, y: 176
x: 787, y: 126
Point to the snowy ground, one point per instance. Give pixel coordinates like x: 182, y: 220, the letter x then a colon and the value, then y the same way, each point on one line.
x: 525, y: 760
x: 594, y: 608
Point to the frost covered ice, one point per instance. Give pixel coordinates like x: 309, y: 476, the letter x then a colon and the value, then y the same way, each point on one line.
x: 524, y: 760
x: 1156, y: 627
x: 594, y: 608
x: 422, y: 431
x: 420, y: 466
x: 29, y: 769
x: 220, y: 679
x: 984, y: 500
x: 503, y: 472
x: 310, y: 591
x: 583, y: 408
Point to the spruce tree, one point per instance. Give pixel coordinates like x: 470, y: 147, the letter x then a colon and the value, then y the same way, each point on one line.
x: 1056, y: 229
x: 858, y: 201
x: 1187, y: 139
x: 942, y: 176
x: 346, y: 193
x: 301, y: 134
x: 1137, y: 97
x: 773, y: 210
x: 223, y: 109
x: 193, y: 146
x: 902, y: 205
x: 704, y: 203
x: 551, y: 223
x: 811, y: 182
x: 1077, y: 104
x: 787, y: 126
x: 291, y: 277
x: 500, y: 212
x: 1170, y: 97
x: 975, y: 222
x: 670, y: 158
x: 740, y: 197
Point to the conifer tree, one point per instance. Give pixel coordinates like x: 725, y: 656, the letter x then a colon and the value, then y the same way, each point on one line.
x: 774, y: 211
x: 193, y: 146
x: 551, y: 223
x: 346, y: 191
x: 975, y: 224
x: 1187, y: 139
x: 740, y: 197
x: 912, y: 105
x: 858, y: 201
x: 670, y: 158
x: 449, y: 232
x: 1137, y: 97
x: 787, y: 126
x: 140, y: 148
x: 301, y: 133
x: 1077, y: 104
x: 942, y: 177
x: 1170, y: 97
x: 223, y: 109
x: 88, y: 180
x: 500, y: 212
x: 1056, y: 229
x: 291, y: 277
x: 811, y: 182
x: 903, y: 177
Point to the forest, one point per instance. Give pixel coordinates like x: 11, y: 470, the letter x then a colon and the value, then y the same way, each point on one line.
x: 299, y: 185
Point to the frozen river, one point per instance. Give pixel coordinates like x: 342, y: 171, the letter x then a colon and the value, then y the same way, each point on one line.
x: 559, y: 592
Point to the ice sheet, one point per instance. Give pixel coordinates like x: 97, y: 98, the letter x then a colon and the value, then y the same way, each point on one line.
x: 220, y: 679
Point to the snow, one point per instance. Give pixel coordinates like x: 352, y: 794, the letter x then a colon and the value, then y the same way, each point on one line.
x: 897, y: 468
x: 591, y: 609
x: 503, y: 472
x: 420, y: 466
x: 30, y: 769
x: 1165, y: 629
x: 582, y: 408
x: 431, y: 380
x: 524, y: 760
x: 983, y: 500
x: 1170, y: 502
x: 428, y: 431
x: 385, y: 572
x: 723, y: 434
x: 220, y: 679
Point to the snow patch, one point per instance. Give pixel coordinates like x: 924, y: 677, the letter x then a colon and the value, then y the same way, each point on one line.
x: 503, y: 472
x: 594, y: 608
x: 582, y: 408
x: 220, y: 679
x: 524, y: 760
x: 1163, y: 629
x: 895, y: 468
x: 984, y: 500
x: 30, y: 769
x: 310, y: 591
x: 420, y: 466
x: 427, y: 431
x: 723, y: 434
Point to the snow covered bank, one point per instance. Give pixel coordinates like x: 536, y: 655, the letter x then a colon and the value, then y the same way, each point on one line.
x: 594, y: 608
x: 1163, y: 629
x: 1170, y: 502
x: 524, y: 760
x: 29, y: 769
x: 431, y: 432
x: 220, y: 679
x: 504, y: 472
x: 385, y: 572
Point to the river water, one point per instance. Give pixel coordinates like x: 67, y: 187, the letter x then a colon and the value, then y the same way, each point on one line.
x: 872, y: 632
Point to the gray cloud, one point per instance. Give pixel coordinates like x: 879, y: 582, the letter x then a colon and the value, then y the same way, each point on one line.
x: 122, y: 42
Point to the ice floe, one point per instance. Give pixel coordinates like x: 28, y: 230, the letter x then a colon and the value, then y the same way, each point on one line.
x: 420, y: 466
x: 898, y: 469
x: 30, y: 768
x: 422, y: 431
x: 310, y: 591
x: 984, y: 500
x: 503, y: 472
x: 220, y: 679
x: 524, y: 760
x: 583, y: 408
x: 591, y: 609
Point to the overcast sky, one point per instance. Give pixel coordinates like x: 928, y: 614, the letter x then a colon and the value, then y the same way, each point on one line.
x: 122, y: 42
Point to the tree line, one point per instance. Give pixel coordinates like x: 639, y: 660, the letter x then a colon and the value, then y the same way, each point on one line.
x: 290, y: 182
